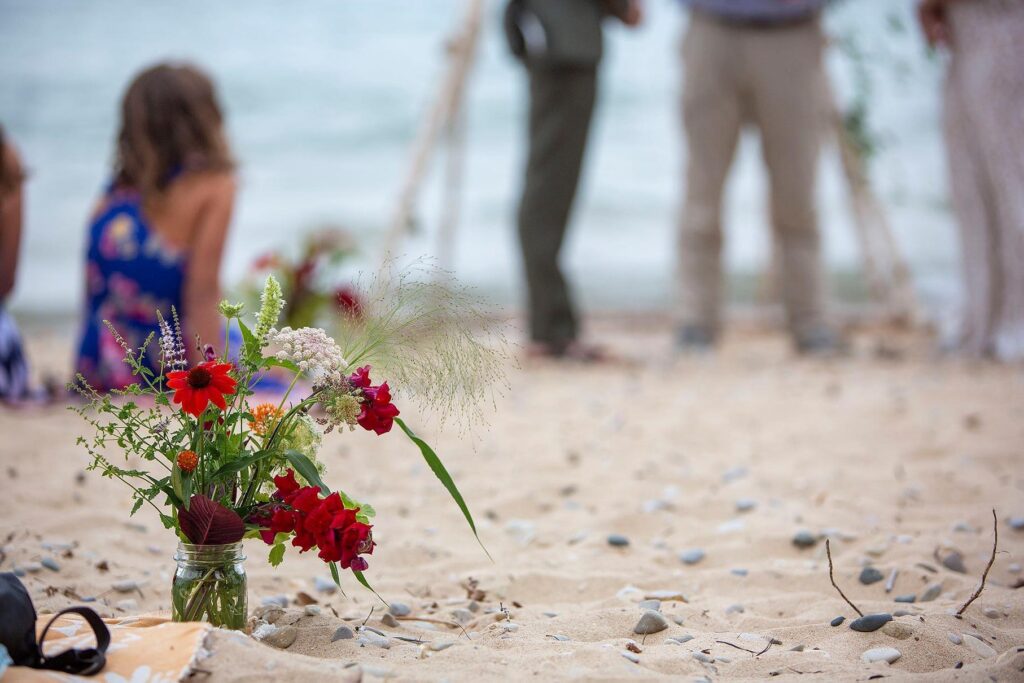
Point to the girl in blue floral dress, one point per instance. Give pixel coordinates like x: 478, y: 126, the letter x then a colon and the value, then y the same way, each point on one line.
x: 156, y: 237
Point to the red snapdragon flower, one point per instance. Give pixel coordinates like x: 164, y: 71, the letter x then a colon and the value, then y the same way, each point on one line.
x: 205, y: 383
x: 348, y: 301
x: 324, y: 523
x: 376, y: 412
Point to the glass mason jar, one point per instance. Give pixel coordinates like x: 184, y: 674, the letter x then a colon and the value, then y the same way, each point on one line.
x: 210, y: 585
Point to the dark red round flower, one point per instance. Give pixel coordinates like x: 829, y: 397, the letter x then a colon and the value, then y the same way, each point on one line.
x: 376, y: 412
x: 206, y: 383
x: 348, y: 302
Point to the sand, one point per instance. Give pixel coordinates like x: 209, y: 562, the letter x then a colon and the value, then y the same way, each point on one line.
x: 896, y: 455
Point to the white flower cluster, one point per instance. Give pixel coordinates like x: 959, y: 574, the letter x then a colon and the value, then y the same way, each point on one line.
x: 310, y: 349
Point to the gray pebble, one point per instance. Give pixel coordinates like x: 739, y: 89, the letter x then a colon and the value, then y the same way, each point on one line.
x: 30, y: 567
x: 979, y: 646
x: 618, y: 540
x: 837, y: 621
x: 559, y: 637
x: 738, y: 571
x: 125, y: 586
x: 902, y: 613
x: 910, y: 597
x: 400, y: 609
x: 1014, y: 568
x: 324, y: 585
x: 50, y: 564
x: 88, y: 598
x: 343, y: 633
x: 389, y: 620
x: 18, y: 571
x: 462, y: 616
x: 735, y: 609
x: 798, y: 648
x: 964, y: 527
x: 550, y: 615
x: 745, y: 504
x: 473, y: 606
x: 679, y: 640
x: 370, y: 638
x: 282, y: 637
x: 650, y: 622
x: 890, y: 583
x: 701, y: 657
x: 734, y: 473
x: 650, y: 604
x: 992, y: 613
x: 954, y: 561
x: 804, y: 539
x: 275, y: 601
x: 931, y: 592
x: 955, y: 638
x: 870, y: 575
x: 311, y: 610
x: 1016, y: 523
x: 631, y: 656
x: 692, y: 556
x: 870, y: 622
x: 881, y: 654
x: 128, y: 605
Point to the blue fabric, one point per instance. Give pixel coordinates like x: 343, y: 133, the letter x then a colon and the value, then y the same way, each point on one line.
x: 131, y: 273
x: 758, y: 10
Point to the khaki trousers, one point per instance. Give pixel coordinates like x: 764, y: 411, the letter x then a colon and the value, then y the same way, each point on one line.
x: 772, y: 78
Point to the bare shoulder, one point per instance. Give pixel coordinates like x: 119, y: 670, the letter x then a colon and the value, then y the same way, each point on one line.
x: 205, y: 187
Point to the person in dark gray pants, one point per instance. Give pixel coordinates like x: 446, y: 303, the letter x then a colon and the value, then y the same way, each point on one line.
x: 560, y: 44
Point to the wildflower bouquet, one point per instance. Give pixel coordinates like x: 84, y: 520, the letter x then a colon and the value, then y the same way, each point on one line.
x: 218, y: 468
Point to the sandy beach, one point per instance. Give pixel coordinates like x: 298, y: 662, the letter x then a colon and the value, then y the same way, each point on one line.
x: 707, y: 467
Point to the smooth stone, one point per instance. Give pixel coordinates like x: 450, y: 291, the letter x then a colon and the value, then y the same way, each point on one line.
x: 931, y: 592
x: 474, y: 607
x: 631, y: 656
x: 678, y: 619
x: 734, y: 473
x: 732, y: 526
x: 895, y: 629
x: 650, y: 622
x: 870, y: 622
x: 324, y: 585
x: 692, y: 556
x: 1014, y: 568
x: 701, y: 657
x: 890, y: 583
x: 400, y: 609
x: 462, y: 616
x: 954, y: 561
x: 656, y: 505
x: 680, y: 640
x: 804, y: 539
x: 371, y: 638
x: 870, y: 575
x: 550, y: 615
x: 18, y: 571
x: 311, y: 610
x: 978, y: 646
x: 128, y: 605
x: 910, y: 597
x: 738, y: 571
x: 30, y: 567
x: 992, y: 613
x: 509, y: 626
x: 389, y: 620
x: 559, y: 637
x: 752, y: 637
x: 955, y: 638
x: 735, y: 609
x: 650, y: 604
x: 745, y: 504
x: 125, y: 586
x: 877, y: 550
x: 881, y: 654
x: 50, y: 564
x: 343, y: 633
x: 837, y: 621
x: 88, y: 598
x: 275, y: 601
x: 1016, y: 523
x: 964, y: 527
x: 618, y: 540
x: 903, y: 613
x: 282, y: 637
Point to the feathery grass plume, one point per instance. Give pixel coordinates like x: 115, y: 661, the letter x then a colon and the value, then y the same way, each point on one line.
x: 434, y: 338
x: 271, y: 303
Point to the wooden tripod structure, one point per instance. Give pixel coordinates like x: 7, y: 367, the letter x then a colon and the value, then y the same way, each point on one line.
x: 885, y: 270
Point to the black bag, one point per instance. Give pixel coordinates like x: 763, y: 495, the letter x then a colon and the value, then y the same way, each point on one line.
x: 18, y: 633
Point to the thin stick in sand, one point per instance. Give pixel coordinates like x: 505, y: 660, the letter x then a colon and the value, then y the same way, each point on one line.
x: 981, y: 586
x: 828, y: 551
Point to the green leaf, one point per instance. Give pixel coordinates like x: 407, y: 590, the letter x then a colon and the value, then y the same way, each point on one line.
x: 181, y: 483
x: 240, y: 464
x: 307, y: 469
x: 138, y: 504
x: 362, y: 579
x: 277, y: 363
x: 276, y: 554
x: 336, y: 576
x: 441, y: 473
x: 167, y: 521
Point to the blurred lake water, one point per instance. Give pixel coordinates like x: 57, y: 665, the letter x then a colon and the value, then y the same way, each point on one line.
x: 324, y: 98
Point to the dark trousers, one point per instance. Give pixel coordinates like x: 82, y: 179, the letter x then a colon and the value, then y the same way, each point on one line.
x: 561, y: 105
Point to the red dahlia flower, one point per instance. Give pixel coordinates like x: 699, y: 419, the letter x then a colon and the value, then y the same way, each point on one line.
x: 206, y: 383
x: 376, y: 413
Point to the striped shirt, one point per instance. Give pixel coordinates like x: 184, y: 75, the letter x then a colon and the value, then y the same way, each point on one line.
x: 758, y: 10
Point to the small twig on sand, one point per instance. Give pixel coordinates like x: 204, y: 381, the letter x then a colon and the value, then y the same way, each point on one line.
x: 372, y: 607
x: 429, y: 620
x: 828, y: 551
x: 771, y: 641
x: 725, y: 642
x: 981, y: 586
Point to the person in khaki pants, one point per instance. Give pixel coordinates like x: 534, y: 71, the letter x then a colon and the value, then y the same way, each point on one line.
x: 758, y: 62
